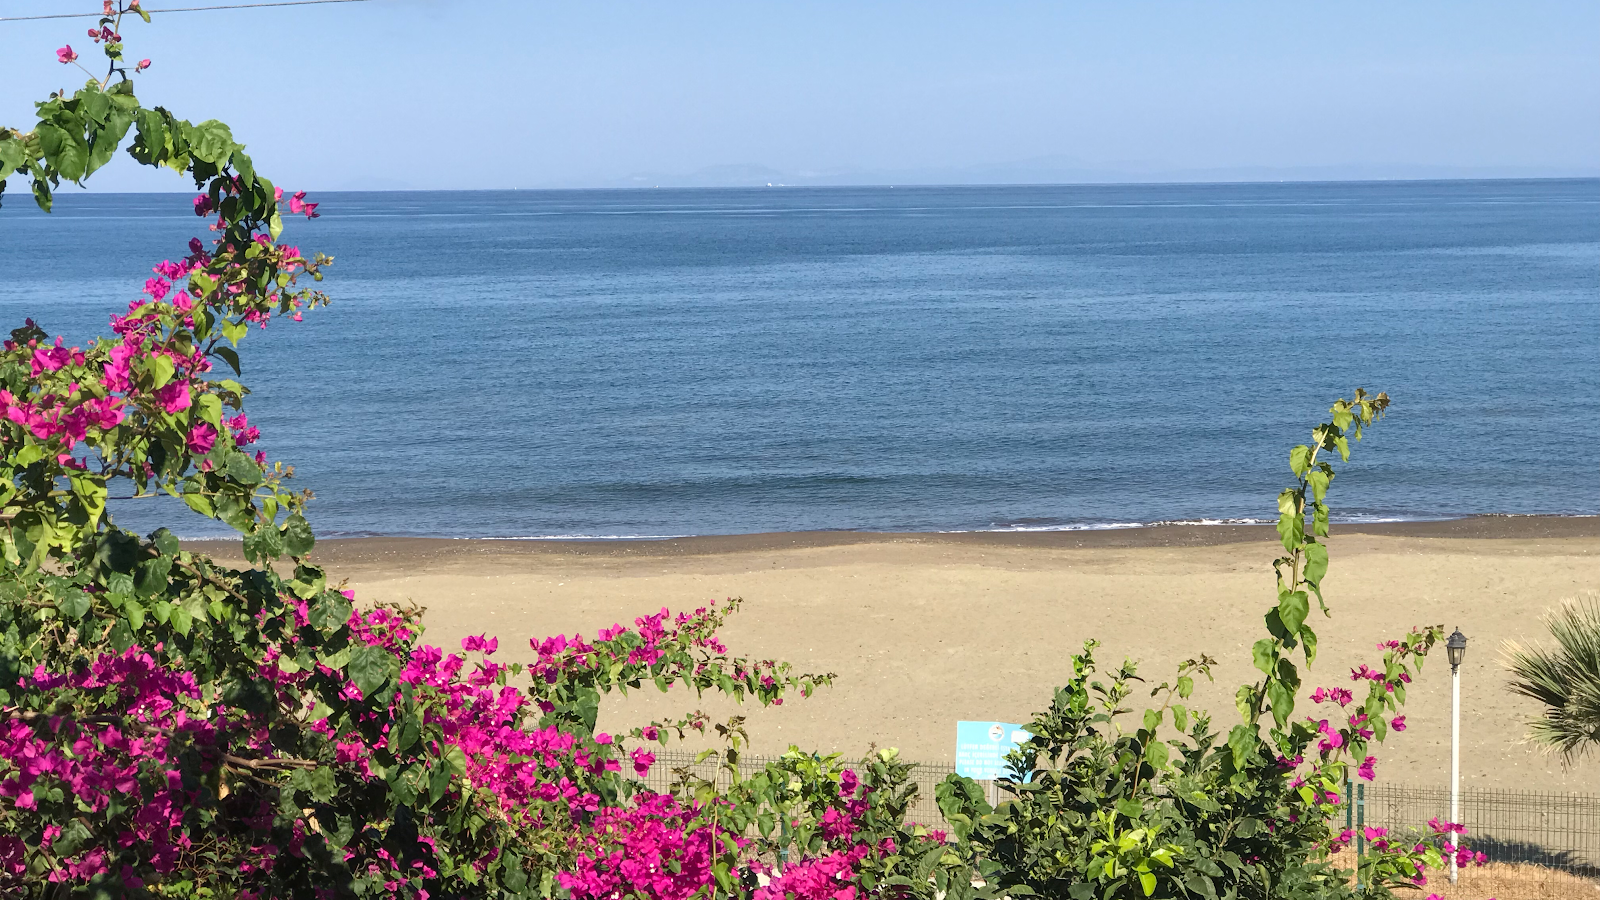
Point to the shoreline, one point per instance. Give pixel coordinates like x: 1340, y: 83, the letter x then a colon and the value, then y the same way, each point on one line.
x: 379, y: 548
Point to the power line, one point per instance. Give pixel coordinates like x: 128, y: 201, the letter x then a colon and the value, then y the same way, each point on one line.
x: 96, y: 15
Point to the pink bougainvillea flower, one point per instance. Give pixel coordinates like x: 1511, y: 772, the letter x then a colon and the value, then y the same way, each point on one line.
x: 143, y: 64
x: 642, y: 761
x: 1398, y: 723
x: 174, y: 397
x: 202, y: 438
x: 298, y: 204
x: 66, y: 55
x: 1366, y: 770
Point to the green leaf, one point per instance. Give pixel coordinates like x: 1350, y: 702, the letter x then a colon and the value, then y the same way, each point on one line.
x: 1319, y: 483
x: 229, y: 356
x: 1242, y: 740
x: 1129, y: 807
x: 330, y: 612
x: 370, y: 668
x: 1293, y: 607
x: 166, y: 542
x: 265, y: 543
x: 182, y: 620
x: 209, y: 406
x: 438, y: 783
x: 211, y: 141
x: 74, y: 605
x: 1265, y: 654
x: 1309, y: 639
x: 161, y: 370
x: 1316, y: 563
x: 64, y: 150
x: 318, y: 782
x: 1291, y: 526
x: 1180, y: 716
x: 243, y: 469
x: 1147, y: 880
x: 151, y: 578
x: 1300, y: 460
x: 1155, y: 753
x: 1152, y: 720
x: 1185, y: 687
x: 11, y: 155
x: 297, y: 537
x: 1282, y: 701
x: 200, y: 503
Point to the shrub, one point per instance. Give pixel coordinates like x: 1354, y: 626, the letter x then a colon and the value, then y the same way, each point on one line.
x: 1104, y: 804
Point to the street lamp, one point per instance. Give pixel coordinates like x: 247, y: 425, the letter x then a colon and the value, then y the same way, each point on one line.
x: 1456, y: 647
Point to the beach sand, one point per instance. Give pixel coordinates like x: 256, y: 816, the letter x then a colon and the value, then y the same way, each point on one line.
x: 926, y: 629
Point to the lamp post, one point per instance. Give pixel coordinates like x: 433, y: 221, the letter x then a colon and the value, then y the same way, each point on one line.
x: 1456, y: 647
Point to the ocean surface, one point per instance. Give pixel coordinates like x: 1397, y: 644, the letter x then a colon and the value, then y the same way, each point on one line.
x: 668, y: 362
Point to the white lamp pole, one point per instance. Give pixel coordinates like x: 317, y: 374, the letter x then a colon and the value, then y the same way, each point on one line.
x: 1456, y: 647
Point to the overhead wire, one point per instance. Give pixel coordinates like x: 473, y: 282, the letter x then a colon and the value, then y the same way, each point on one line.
x: 95, y: 15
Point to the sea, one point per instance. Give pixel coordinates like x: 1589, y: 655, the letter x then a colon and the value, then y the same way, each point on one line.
x: 647, y: 363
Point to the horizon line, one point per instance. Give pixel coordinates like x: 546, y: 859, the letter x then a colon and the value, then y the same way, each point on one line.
x: 910, y: 184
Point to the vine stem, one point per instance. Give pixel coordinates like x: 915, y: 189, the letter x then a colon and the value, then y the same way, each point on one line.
x: 1295, y: 557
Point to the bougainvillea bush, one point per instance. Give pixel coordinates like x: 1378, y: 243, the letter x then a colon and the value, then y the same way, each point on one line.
x: 172, y: 726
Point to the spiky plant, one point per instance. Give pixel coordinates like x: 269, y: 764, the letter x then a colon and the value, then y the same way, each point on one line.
x: 1565, y: 677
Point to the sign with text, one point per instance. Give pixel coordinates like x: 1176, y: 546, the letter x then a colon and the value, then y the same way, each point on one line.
x: 981, y: 748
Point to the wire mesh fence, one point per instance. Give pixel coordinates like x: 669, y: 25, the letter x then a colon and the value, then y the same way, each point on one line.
x: 1559, y: 831
x: 1556, y: 830
x: 924, y: 811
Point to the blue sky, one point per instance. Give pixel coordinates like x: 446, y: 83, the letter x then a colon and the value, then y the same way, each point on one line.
x: 409, y: 93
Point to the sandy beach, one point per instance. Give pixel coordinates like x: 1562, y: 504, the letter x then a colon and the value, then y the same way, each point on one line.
x: 926, y: 629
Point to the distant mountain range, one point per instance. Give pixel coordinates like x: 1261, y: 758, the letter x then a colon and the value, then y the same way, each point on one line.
x: 1061, y: 170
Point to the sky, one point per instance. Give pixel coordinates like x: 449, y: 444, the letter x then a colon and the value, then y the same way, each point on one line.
x: 483, y: 95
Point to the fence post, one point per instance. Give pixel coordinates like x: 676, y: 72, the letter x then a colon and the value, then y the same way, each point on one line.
x: 1361, y: 834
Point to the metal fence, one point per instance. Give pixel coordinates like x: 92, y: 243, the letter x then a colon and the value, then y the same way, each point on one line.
x: 1561, y: 831
x: 924, y: 811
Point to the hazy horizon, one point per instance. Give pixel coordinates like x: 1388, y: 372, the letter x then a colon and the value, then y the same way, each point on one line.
x: 414, y: 94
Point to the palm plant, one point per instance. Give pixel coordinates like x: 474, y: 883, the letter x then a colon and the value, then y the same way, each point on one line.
x: 1565, y: 677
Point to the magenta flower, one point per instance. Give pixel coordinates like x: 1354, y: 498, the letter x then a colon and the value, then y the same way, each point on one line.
x: 1366, y: 770
x: 1398, y: 723
x: 642, y: 761
x: 174, y: 397
x: 66, y: 55
x: 298, y: 204
x: 202, y: 438
x: 143, y: 64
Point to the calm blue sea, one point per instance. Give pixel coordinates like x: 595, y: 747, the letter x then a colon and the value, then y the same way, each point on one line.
x: 663, y: 362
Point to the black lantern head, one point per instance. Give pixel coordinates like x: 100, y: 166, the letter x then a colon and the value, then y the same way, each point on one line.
x: 1456, y: 646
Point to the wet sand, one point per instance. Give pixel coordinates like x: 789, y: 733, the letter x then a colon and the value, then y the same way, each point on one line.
x: 926, y: 629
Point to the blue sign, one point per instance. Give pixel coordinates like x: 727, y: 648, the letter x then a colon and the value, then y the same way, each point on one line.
x: 981, y: 748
